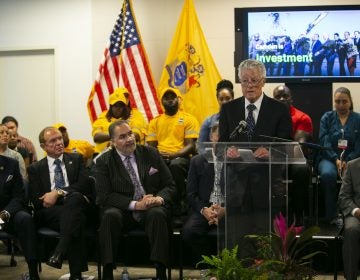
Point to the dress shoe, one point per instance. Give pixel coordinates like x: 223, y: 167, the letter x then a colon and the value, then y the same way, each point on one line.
x: 55, y: 260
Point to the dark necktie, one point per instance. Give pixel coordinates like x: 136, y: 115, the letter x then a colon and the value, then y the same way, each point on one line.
x: 250, y: 121
x: 59, y: 176
x: 138, y: 191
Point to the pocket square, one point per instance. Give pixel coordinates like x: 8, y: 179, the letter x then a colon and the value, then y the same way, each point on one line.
x: 153, y: 171
x: 9, y: 178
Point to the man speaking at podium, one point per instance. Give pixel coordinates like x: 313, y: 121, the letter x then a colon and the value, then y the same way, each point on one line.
x: 247, y: 201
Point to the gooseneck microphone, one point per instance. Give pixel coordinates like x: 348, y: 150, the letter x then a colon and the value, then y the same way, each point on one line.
x: 238, y: 129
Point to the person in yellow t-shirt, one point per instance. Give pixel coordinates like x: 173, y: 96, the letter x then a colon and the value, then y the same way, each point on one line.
x: 174, y: 134
x: 119, y: 110
x: 82, y: 147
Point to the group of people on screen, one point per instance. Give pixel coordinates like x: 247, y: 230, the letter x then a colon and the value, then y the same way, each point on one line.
x: 143, y: 175
x: 308, y: 55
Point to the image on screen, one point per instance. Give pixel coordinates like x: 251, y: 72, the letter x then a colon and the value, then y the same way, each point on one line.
x: 312, y: 43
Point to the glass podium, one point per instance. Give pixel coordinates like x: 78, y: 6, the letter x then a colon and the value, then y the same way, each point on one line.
x: 251, y: 186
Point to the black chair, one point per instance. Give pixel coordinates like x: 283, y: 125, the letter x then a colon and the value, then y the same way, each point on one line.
x: 10, y: 239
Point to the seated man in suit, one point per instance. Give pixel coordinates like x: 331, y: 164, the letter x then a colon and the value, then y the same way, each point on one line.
x: 349, y: 205
x: 134, y: 188
x: 12, y: 212
x: 200, y: 195
x: 59, y: 188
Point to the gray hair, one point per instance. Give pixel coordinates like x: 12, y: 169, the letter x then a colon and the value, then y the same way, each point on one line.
x: 252, y: 64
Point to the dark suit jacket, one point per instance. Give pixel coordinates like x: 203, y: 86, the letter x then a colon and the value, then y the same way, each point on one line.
x: 39, y: 178
x: 113, y: 184
x: 273, y: 120
x: 349, y: 195
x: 11, y: 186
x: 200, y: 183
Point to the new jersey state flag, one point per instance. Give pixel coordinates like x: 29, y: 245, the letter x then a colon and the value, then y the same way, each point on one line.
x: 190, y: 67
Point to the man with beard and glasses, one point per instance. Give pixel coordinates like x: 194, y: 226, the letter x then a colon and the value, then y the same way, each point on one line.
x: 174, y: 134
x: 134, y: 189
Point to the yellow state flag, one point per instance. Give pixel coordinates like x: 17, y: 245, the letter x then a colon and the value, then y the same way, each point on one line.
x: 190, y: 67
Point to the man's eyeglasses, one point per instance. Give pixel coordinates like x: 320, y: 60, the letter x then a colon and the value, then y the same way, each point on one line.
x: 253, y: 82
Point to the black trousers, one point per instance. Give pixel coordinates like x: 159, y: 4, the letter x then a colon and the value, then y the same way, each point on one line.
x: 23, y: 227
x: 68, y: 217
x: 115, y: 222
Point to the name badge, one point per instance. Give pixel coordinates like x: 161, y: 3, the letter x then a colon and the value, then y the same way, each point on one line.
x: 342, y: 144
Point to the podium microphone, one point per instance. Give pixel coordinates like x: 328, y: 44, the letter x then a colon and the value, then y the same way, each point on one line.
x: 238, y: 129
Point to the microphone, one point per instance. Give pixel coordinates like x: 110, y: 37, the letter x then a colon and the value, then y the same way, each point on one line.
x: 238, y: 129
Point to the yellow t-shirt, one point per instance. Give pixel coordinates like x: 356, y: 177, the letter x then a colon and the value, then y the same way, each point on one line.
x: 80, y: 146
x: 171, y: 131
x: 136, y: 121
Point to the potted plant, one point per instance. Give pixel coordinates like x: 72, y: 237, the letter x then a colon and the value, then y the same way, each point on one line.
x: 283, y: 254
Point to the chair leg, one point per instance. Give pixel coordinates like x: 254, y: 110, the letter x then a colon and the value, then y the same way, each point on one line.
x: 180, y: 258
x: 99, y: 270
x: 12, y: 252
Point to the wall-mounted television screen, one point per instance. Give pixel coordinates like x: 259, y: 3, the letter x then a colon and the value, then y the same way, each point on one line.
x: 301, y: 44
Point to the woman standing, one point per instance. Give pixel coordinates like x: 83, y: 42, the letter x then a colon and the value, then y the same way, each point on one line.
x: 340, y: 135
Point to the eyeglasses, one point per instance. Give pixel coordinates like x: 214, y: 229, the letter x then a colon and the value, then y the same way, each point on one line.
x: 125, y: 136
x: 254, y: 82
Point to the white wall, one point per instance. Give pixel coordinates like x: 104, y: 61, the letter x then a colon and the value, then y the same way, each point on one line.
x: 64, y: 26
x: 78, y: 30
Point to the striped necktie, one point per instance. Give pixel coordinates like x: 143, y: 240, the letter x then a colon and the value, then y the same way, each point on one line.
x: 250, y: 120
x: 138, y: 189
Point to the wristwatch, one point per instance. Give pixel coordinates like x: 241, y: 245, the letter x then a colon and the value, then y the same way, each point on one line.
x: 5, y: 215
x: 60, y: 192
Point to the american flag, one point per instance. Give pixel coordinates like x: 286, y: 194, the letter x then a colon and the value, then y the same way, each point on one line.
x: 124, y: 65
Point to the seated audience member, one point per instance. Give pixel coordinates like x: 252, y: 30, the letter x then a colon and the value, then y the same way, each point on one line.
x: 81, y: 147
x: 13, y: 141
x: 302, y: 131
x: 12, y: 124
x: 224, y: 94
x: 59, y: 189
x: 349, y: 205
x: 174, y: 134
x: 340, y: 135
x: 119, y: 109
x: 5, y: 151
x: 12, y: 212
x: 204, y: 213
x: 134, y: 189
